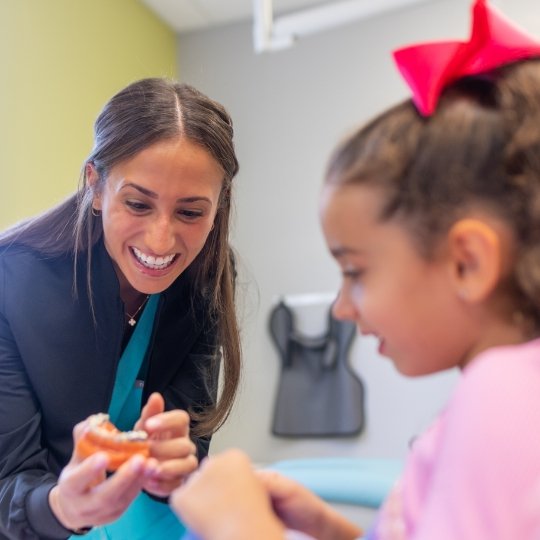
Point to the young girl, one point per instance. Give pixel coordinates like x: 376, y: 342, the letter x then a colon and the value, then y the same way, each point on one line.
x: 433, y: 215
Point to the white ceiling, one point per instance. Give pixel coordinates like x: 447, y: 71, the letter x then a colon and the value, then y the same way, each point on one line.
x: 187, y: 15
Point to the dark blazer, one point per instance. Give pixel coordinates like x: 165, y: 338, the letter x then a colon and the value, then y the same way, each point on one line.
x: 58, y: 366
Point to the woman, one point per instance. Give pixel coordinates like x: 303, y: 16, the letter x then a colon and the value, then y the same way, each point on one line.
x: 121, y: 296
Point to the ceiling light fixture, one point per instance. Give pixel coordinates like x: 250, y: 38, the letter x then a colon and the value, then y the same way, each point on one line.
x: 271, y: 34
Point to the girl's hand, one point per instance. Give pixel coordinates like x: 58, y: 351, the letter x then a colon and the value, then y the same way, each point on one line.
x: 224, y: 499
x: 84, y: 496
x: 173, y: 453
x: 302, y: 510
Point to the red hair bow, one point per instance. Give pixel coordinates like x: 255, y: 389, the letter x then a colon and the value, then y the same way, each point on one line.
x: 495, y: 41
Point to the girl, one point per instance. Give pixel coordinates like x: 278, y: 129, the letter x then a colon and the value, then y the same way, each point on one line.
x: 122, y: 296
x: 435, y: 224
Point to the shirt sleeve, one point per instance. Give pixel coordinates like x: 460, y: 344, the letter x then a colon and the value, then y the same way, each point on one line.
x: 25, y: 478
x: 486, y: 476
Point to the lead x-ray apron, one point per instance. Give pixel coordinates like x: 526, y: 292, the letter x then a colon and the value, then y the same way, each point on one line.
x: 145, y: 518
x: 319, y: 394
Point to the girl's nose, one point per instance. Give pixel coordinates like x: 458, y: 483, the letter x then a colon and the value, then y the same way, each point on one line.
x: 343, y: 308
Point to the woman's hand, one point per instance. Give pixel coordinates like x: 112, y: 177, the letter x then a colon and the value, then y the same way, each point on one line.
x: 301, y: 510
x: 173, y: 453
x: 84, y: 496
x: 225, y: 500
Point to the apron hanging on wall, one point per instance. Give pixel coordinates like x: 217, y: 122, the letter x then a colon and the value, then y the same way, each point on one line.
x: 319, y: 395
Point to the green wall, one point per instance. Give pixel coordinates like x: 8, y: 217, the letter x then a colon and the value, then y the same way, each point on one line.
x: 60, y: 61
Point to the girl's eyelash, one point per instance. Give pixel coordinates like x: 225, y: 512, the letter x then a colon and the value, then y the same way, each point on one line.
x: 353, y: 274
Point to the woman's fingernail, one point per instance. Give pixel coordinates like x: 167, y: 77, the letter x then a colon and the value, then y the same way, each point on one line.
x: 137, y: 463
x: 100, y: 460
x: 152, y: 470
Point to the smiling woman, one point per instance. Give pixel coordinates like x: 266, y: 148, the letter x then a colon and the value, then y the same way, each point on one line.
x: 158, y: 209
x: 121, y: 299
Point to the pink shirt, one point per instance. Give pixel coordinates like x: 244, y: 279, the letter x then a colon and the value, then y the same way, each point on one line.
x: 475, y: 474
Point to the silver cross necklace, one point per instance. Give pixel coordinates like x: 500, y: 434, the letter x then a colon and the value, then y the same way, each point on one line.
x: 132, y: 321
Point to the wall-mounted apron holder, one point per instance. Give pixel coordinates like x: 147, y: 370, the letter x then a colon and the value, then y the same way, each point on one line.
x: 319, y: 395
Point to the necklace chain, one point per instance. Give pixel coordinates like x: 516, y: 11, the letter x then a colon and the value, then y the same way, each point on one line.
x: 132, y: 321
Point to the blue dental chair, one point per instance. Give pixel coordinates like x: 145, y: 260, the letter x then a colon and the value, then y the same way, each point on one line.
x: 359, y: 482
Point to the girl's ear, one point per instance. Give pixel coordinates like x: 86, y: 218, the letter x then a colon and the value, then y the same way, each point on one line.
x: 92, y: 181
x: 476, y: 258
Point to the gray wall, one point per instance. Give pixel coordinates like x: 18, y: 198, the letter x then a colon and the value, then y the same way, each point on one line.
x: 290, y: 108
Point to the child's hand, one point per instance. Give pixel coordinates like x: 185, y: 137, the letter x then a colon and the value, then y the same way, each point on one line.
x: 172, y: 452
x: 302, y: 510
x: 224, y: 499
